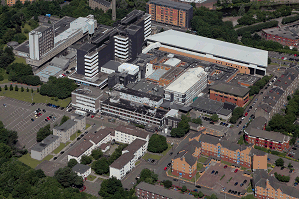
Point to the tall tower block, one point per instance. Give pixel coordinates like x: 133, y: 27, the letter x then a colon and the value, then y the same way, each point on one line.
x: 113, y: 10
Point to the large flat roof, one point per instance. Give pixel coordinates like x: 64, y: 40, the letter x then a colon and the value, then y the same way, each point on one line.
x: 214, y: 47
x: 172, y: 4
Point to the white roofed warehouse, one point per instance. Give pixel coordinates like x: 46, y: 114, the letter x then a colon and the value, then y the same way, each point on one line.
x: 247, y: 60
x: 187, y: 86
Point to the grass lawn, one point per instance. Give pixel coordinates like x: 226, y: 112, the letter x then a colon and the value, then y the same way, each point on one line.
x: 37, y: 98
x: 62, y: 145
x: 91, y: 177
x: 48, y: 157
x: 199, y: 166
x: 197, y: 177
x: 166, y: 151
x: 28, y: 28
x: 241, y: 140
x: 87, y: 126
x: 251, y: 97
x: 19, y: 60
x: 74, y: 136
x: 26, y: 159
x: 227, y: 163
x: 152, y: 156
x: 202, y: 159
x: 136, y: 163
x: 249, y: 189
x: 249, y: 196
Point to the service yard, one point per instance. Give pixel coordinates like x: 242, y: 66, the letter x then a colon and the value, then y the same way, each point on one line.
x: 222, y: 177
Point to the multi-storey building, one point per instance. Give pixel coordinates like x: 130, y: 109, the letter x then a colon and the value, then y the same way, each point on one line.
x: 85, y: 148
x: 82, y: 170
x: 268, y: 139
x: 87, y: 98
x: 187, y: 86
x: 283, y: 35
x: 127, y: 134
x: 247, y: 60
x: 71, y: 126
x: 170, y: 12
x: 45, y: 147
x: 276, y: 98
x: 102, y: 136
x: 132, y: 111
x: 184, y: 164
x: 224, y: 150
x: 126, y: 162
x: 100, y: 4
x: 266, y: 186
x: 229, y: 93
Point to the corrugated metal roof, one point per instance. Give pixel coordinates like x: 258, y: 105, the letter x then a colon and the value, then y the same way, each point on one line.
x: 214, y: 47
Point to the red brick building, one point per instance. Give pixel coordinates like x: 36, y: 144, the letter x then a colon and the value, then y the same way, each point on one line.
x: 267, y: 139
x: 230, y: 93
x: 283, y: 35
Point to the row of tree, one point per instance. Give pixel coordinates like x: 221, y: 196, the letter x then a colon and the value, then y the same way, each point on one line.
x: 291, y: 19
x: 236, y: 114
x: 183, y: 127
x: 257, y: 27
x: 255, y: 89
x: 22, y: 73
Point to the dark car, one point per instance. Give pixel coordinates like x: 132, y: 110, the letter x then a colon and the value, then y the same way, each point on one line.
x: 168, y: 165
x: 216, y: 172
x: 88, y: 114
x: 235, y: 192
x: 57, y: 107
x: 61, y: 108
x: 62, y: 152
x: 198, y: 186
x: 195, y: 190
x: 86, y: 132
x: 241, y: 185
x: 32, y: 119
x: 170, y: 153
x: 44, y: 110
x: 282, y: 168
x: 229, y: 191
x: 240, y: 122
x: 212, y: 172
x: 236, y: 183
x: 244, y: 181
x: 239, y: 193
x: 78, y: 138
x: 54, y: 158
x: 294, y: 148
x: 46, y: 120
x: 50, y: 116
x: 153, y: 161
x: 81, y: 135
x: 32, y: 104
x: 175, y: 179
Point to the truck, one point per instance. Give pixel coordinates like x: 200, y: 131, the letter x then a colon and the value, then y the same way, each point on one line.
x: 79, y: 112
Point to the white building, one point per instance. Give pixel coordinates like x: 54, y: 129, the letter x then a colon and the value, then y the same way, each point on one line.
x: 125, y: 134
x: 187, y: 86
x: 82, y: 170
x: 45, y: 147
x: 126, y: 162
x: 85, y: 148
x: 129, y: 68
x: 102, y: 136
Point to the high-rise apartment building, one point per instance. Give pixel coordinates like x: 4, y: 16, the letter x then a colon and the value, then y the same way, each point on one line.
x: 170, y: 12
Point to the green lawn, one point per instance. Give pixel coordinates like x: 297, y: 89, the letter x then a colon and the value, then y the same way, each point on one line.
x: 48, y: 157
x: 227, y: 163
x: 199, y: 166
x: 249, y: 189
x: 62, y: 145
x: 19, y: 60
x: 26, y: 159
x: 28, y: 96
x: 166, y: 151
x: 87, y: 126
x: 152, y: 156
x: 75, y: 135
x: 202, y: 159
x: 29, y: 28
x: 241, y: 140
x: 249, y: 196
x: 197, y: 177
x: 136, y: 163
x: 91, y: 177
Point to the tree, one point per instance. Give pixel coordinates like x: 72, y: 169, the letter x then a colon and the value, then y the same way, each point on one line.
x: 290, y: 165
x: 22, y: 89
x: 16, y: 88
x: 269, y: 60
x: 64, y: 119
x: 197, y: 121
x: 43, y: 133
x: 100, y: 166
x: 37, y: 90
x: 10, y: 88
x: 27, y: 89
x: 111, y: 188
x: 200, y: 194
x: 5, y: 151
x: 214, y: 118
x: 32, y: 90
x: 5, y: 87
x: 1, y: 77
x: 86, y: 159
x: 148, y: 176
x: 72, y: 163
x: 167, y: 184
x: 96, y: 154
x: 184, y: 188
x: 157, y: 144
x: 0, y: 88
x: 279, y: 162
x: 67, y: 178
x: 297, y: 179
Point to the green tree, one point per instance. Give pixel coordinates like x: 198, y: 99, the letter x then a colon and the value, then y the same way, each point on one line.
x: 5, y: 151
x: 200, y: 194
x: 100, y: 166
x: 0, y: 88
x: 290, y: 165
x: 16, y: 88
x: 32, y: 90
x: 10, y: 88
x: 184, y: 188
x: 27, y: 89
x: 112, y: 188
x: 86, y: 159
x: 22, y: 89
x: 197, y: 121
x: 148, y: 176
x: 5, y: 87
x: 269, y: 60
x: 297, y: 179
x: 167, y: 184
x: 214, y: 118
x: 64, y: 119
x: 67, y: 178
x: 37, y: 90
x: 279, y: 162
x: 1, y: 77
x: 96, y: 154
x: 43, y: 133
x: 72, y: 163
x: 157, y: 144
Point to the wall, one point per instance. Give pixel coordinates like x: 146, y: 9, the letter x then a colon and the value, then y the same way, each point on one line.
x: 215, y: 95
x: 263, y: 143
x: 179, y: 165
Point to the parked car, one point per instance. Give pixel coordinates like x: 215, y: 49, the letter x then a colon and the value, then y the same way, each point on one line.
x: 4, y: 105
x: 92, y: 116
x: 198, y: 186
x: 244, y: 181
x: 229, y: 191
x: 216, y: 172
x: 44, y: 110
x: 246, y: 114
x: 212, y: 172
x: 241, y: 185
x: 32, y: 119
x: 225, y: 166
x: 54, y: 158
x: 168, y: 165
x: 236, y: 170
x: 170, y: 153
x: 175, y: 179
x: 62, y: 152
x: 165, y: 168
x: 195, y: 190
x: 236, y: 183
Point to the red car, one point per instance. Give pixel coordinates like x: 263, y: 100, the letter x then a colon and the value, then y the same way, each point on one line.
x: 282, y: 58
x: 39, y: 114
x: 165, y: 168
x: 236, y: 171
x: 48, y: 118
x: 92, y: 116
x: 225, y: 166
x: 246, y: 114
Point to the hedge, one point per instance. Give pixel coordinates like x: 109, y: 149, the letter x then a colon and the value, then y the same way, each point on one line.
x: 257, y: 28
x: 290, y: 19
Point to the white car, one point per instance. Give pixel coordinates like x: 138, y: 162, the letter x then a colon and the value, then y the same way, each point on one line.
x: 243, y: 118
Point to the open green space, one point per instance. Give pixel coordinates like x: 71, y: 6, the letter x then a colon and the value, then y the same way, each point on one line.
x: 227, y: 163
x: 75, y: 135
x: 26, y: 159
x: 87, y: 126
x: 61, y: 146
x: 152, y: 156
x: 166, y: 151
x: 19, y: 60
x: 33, y: 97
x: 137, y: 162
x: 48, y: 157
x: 249, y: 196
x: 28, y: 28
x: 249, y: 189
x: 91, y: 177
x: 199, y: 166
x: 202, y: 159
x: 197, y: 177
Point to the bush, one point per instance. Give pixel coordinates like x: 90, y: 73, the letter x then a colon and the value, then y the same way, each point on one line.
x: 16, y: 88
x: 167, y: 184
x: 10, y: 88
x: 237, y: 113
x: 279, y: 162
x: 257, y: 28
x: 290, y: 19
x: 157, y: 144
x: 5, y: 87
x: 72, y: 163
x: 1, y: 77
x: 86, y: 159
x: 281, y: 178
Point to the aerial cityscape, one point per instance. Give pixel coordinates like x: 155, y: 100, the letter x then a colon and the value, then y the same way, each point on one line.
x: 135, y: 99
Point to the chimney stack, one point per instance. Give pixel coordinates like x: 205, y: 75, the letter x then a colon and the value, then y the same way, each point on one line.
x: 113, y: 10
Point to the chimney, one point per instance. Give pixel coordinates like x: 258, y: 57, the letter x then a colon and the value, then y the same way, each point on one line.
x: 113, y: 10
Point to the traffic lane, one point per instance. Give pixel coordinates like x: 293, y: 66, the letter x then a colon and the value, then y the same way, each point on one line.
x: 67, y: 150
